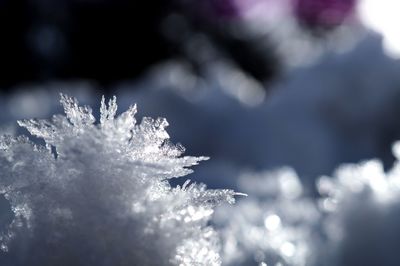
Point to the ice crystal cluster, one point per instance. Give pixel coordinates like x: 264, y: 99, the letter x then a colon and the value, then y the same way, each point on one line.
x: 98, y: 194
x: 363, y: 214
x: 275, y: 225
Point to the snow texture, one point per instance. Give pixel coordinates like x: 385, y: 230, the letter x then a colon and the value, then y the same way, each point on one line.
x: 353, y: 221
x: 275, y: 225
x: 361, y: 202
x: 98, y: 194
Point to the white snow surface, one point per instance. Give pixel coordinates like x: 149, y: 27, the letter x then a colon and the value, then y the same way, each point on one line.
x: 276, y: 224
x: 353, y: 221
x: 361, y: 202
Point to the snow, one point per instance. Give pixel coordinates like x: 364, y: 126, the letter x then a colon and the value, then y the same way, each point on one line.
x: 342, y: 109
x: 98, y: 194
x: 275, y: 224
x: 352, y: 221
x: 110, y: 178
x: 361, y: 210
x: 382, y: 17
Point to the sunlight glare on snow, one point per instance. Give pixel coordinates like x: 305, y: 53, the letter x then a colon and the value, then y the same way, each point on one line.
x: 288, y: 249
x: 272, y: 222
x: 382, y: 16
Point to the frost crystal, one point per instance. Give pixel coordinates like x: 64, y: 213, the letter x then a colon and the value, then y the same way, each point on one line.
x: 275, y: 225
x: 98, y: 194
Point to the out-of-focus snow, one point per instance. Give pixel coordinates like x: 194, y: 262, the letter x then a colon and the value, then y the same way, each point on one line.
x: 353, y: 221
x: 41, y: 100
x: 383, y: 16
x: 275, y: 224
x: 361, y: 203
x: 342, y: 109
x: 275, y: 24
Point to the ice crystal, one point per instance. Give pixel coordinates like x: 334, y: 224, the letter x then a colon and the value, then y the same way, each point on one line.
x: 362, y: 206
x: 98, y: 194
x: 275, y: 225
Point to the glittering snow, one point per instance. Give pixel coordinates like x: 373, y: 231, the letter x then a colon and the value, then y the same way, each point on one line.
x: 98, y: 194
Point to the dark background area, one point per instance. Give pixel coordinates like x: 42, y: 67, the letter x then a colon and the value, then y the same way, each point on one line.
x: 108, y: 41
x: 100, y: 40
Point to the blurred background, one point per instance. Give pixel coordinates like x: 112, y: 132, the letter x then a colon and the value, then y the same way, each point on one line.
x: 254, y: 84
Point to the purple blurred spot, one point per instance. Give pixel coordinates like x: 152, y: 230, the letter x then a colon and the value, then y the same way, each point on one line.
x: 220, y: 9
x: 323, y: 12
x: 225, y: 8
